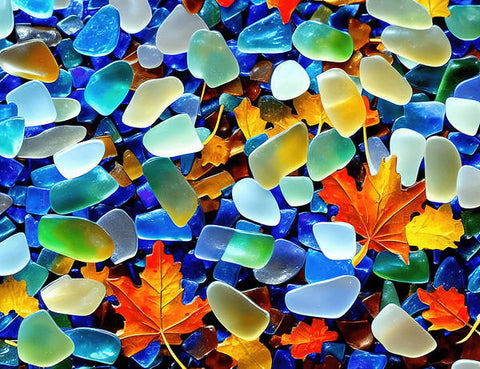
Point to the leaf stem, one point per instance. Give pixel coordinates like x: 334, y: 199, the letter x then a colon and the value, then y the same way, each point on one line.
x: 169, y: 348
x: 472, y: 329
x: 220, y: 112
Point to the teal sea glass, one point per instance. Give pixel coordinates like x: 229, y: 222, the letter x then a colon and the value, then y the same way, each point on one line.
x: 11, y: 136
x: 95, y: 344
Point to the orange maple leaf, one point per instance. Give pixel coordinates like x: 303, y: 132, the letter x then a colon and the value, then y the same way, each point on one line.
x: 308, y: 339
x: 248, y: 119
x: 155, y: 306
x: 380, y: 211
x: 447, y: 308
x: 286, y: 8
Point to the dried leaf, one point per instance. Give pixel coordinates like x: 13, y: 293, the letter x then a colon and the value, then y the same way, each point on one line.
x: 310, y: 108
x: 248, y: 119
x: 249, y: 354
x: 308, y: 339
x: 216, y: 151
x: 380, y: 211
x: 213, y: 186
x: 372, y: 115
x: 154, y: 306
x: 436, y: 8
x: 286, y: 8
x: 434, y: 229
x: 14, y: 297
x: 447, y: 308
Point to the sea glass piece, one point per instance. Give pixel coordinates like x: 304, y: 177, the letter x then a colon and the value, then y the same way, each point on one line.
x: 377, y: 152
x: 150, y: 100
x: 201, y: 342
x: 249, y: 249
x: 318, y: 41
x: 468, y: 89
x: 289, y: 80
x: 11, y: 136
x: 81, y: 192
x: 404, y: 13
x: 320, y: 268
x: 240, y: 315
x: 66, y: 108
x: 209, y: 58
x: 328, y: 152
x: 326, y: 299
x: 101, y: 33
x: 213, y: 241
x: 255, y: 203
x: 50, y: 141
x: 464, y: 21
x: 121, y: 228
x: 279, y: 156
x: 78, y: 159
x: 73, y: 296
x: 409, y: 148
x: 442, y: 163
x: 425, y: 117
x: 286, y: 261
x: 400, y: 334
x: 175, y: 136
x: 466, y: 364
x: 428, y: 47
x: 77, y: 238
x: 5, y: 202
x: 389, y: 295
x: 468, y: 187
x: 14, y: 254
x: 174, y: 34
x: 134, y: 14
x: 108, y: 87
x: 337, y: 240
x: 6, y: 14
x: 49, y: 35
x: 297, y: 190
x: 34, y: 103
x: 379, y: 78
x: 149, y: 56
x: 171, y: 189
x: 41, y: 342
x: 157, y: 225
x: 463, y: 114
x: 391, y: 266
x: 36, y: 8
x: 95, y: 344
x: 342, y: 101
x: 267, y: 35
x: 458, y: 70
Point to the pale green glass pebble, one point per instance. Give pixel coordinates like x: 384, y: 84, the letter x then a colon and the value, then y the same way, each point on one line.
x: 289, y: 80
x: 468, y: 187
x: 66, y: 108
x: 173, y: 137
x: 404, y: 13
x: 134, y: 14
x: 463, y: 114
x: 78, y: 159
x: 297, y: 190
x: 209, y: 58
x: 6, y: 15
x: 41, y: 342
x: 464, y: 21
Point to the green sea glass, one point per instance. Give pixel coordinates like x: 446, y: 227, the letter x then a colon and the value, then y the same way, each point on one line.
x: 464, y: 21
x: 297, y: 190
x: 391, y: 266
x: 251, y: 250
x: 458, y: 70
x: 389, y: 295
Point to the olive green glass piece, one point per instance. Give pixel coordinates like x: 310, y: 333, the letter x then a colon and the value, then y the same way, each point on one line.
x: 391, y: 266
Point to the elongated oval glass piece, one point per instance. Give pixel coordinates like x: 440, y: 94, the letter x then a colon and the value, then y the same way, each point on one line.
x: 14, y: 254
x: 404, y: 13
x: 76, y: 160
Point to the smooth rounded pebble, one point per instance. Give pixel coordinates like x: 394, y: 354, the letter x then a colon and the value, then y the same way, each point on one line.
x: 289, y: 80
x: 14, y: 254
x: 78, y: 159
x: 468, y: 187
x: 337, y: 240
x: 463, y: 114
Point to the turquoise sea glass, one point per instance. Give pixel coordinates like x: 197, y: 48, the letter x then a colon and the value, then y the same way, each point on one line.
x: 95, y: 344
x: 6, y: 15
x: 36, y: 8
x: 11, y: 136
x: 464, y: 21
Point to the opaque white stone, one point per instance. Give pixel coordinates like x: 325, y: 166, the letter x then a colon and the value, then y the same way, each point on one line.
x: 468, y: 187
x: 78, y: 159
x: 255, y: 203
x: 466, y: 364
x: 400, y: 334
x: 337, y: 240
x: 14, y: 254
x: 463, y: 114
x: 289, y: 80
x: 149, y: 56
x: 134, y: 14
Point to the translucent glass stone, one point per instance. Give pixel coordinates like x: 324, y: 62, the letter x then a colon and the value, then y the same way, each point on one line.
x: 6, y: 14
x: 249, y: 249
x: 150, y: 100
x: 297, y: 190
x: 175, y: 136
x: 391, y: 266
x: 174, y: 34
x: 213, y: 241
x: 337, y: 240
x: 66, y: 108
x: 36, y: 8
x: 379, y: 78
x: 157, y: 225
x: 121, y: 228
x: 49, y: 35
x: 466, y: 364
x: 5, y: 202
x: 429, y: 47
x: 41, y: 342
x: 326, y: 299
x: 73, y: 296
x: 34, y: 103
x: 468, y: 89
x: 95, y: 344
x: 171, y: 189
x: 77, y: 238
x: 78, y: 159
x: 319, y: 268
x: 442, y: 163
x: 318, y: 41
x: 11, y: 136
x: 209, y: 58
x: 50, y: 141
x: 289, y: 80
x: 464, y: 21
x: 463, y: 114
x: 377, y: 152
x: 61, y: 4
x: 286, y: 261
x: 134, y: 14
x: 404, y: 13
x: 409, y: 148
x: 342, y: 101
x: 400, y: 334
x: 240, y: 315
x: 468, y: 187
x: 14, y: 254
x: 108, y: 87
x: 255, y: 203
x: 279, y: 156
x: 149, y: 56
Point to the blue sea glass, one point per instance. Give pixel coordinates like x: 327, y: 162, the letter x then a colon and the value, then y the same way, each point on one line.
x: 465, y: 144
x: 10, y: 170
x: 362, y: 359
x: 425, y: 118
x: 95, y: 344
x: 227, y: 272
x: 36, y: 8
x: 34, y: 275
x: 469, y: 89
x: 320, y: 268
x: 70, y: 25
x: 69, y: 55
x: 37, y: 201
x: 46, y: 177
x: 305, y: 228
x: 157, y: 225
x: 11, y: 136
x: 449, y: 274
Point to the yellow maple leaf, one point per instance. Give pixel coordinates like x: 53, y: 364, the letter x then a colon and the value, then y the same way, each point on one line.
x: 248, y: 118
x: 310, y: 108
x: 249, y: 354
x: 14, y: 297
x: 436, y: 8
x: 434, y: 229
